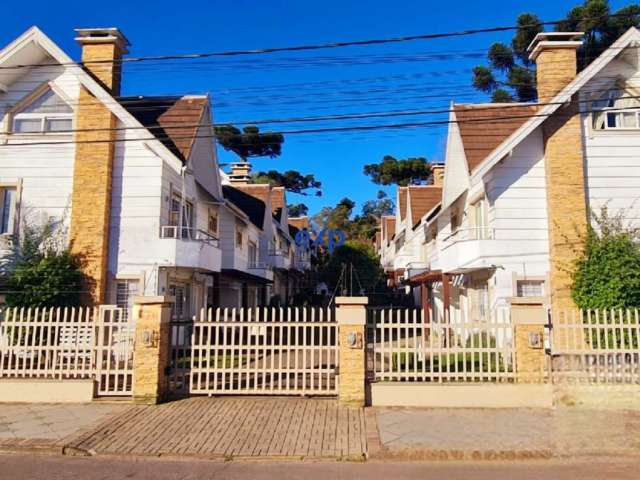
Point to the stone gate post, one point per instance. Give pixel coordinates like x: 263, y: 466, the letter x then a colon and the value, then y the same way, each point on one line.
x: 152, y: 348
x: 351, y: 315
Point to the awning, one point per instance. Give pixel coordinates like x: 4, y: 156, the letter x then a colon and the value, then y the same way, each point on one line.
x: 244, y: 276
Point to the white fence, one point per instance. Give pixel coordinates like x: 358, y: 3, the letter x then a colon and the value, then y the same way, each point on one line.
x: 601, y: 347
x: 68, y: 343
x: 404, y: 346
x: 265, y: 351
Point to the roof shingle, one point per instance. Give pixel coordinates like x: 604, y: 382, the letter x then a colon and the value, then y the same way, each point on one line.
x: 483, y: 127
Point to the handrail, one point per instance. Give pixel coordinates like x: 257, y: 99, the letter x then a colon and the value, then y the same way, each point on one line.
x: 188, y: 233
x: 489, y: 234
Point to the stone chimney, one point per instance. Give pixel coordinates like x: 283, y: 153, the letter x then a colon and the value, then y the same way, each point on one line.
x: 556, y: 67
x: 102, y: 51
x: 437, y: 173
x: 92, y: 176
x: 240, y: 173
x: 556, y: 61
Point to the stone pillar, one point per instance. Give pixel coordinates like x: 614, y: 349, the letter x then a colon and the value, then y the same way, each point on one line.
x: 151, y: 351
x: 529, y: 318
x: 351, y: 315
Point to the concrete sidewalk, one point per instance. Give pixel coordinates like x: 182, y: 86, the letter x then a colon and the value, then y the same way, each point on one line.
x: 48, y: 427
x: 474, y: 434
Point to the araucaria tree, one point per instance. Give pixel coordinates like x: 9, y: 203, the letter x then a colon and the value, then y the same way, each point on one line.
x: 392, y: 171
x: 292, y: 180
x: 249, y: 142
x: 510, y: 75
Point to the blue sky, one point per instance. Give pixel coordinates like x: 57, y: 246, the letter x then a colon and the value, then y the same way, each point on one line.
x: 400, y: 76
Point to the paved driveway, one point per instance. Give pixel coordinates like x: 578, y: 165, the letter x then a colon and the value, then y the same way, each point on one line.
x: 232, y: 428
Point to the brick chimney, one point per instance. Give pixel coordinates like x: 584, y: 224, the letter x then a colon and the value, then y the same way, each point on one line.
x: 92, y: 177
x: 556, y: 67
x: 240, y: 173
x: 437, y: 174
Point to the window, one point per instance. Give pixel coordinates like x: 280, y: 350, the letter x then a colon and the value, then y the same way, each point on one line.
x: 125, y: 291
x: 213, y: 222
x: 8, y: 213
x: 46, y: 114
x: 480, y: 219
x: 455, y: 221
x: 530, y: 288
x: 253, y: 255
x: 181, y: 213
x: 616, y: 110
x: 239, y: 237
x: 181, y: 309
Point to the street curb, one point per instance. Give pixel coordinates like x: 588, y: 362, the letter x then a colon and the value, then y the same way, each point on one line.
x: 427, y: 454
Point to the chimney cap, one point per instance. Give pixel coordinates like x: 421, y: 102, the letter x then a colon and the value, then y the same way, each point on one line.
x: 103, y: 35
x: 545, y: 40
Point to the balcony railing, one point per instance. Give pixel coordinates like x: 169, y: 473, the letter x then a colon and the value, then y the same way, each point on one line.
x: 273, y: 252
x: 188, y: 233
x: 467, y: 234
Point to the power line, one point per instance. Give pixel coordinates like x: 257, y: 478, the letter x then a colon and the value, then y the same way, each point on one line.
x: 402, y: 113
x: 324, y: 46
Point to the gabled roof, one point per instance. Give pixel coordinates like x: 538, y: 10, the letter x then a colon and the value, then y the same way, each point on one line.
x: 389, y: 226
x: 253, y: 207
x: 299, y: 222
x: 33, y: 39
x: 173, y: 120
x: 423, y: 198
x: 485, y: 126
x: 628, y: 38
x: 277, y: 199
x: 402, y: 202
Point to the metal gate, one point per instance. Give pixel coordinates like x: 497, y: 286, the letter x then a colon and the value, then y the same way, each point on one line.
x: 264, y: 351
x: 114, y: 337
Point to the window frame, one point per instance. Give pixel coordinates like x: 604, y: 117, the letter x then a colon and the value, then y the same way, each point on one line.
x: 611, y: 98
x: 16, y: 114
x: 15, y: 211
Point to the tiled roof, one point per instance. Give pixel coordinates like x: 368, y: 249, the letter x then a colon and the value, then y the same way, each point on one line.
x: 483, y: 127
x: 402, y: 193
x: 389, y: 227
x: 423, y: 198
x: 277, y: 199
x: 249, y: 204
x: 299, y: 222
x: 182, y: 114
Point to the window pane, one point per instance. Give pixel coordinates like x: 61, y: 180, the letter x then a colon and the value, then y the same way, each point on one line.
x: 48, y: 102
x: 628, y: 120
x: 125, y: 291
x: 530, y: 288
x: 27, y: 125
x: 57, y: 124
x: 6, y: 216
x: 611, y: 120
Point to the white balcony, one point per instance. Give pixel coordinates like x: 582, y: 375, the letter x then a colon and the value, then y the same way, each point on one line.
x: 260, y: 270
x: 190, y: 248
x: 279, y: 258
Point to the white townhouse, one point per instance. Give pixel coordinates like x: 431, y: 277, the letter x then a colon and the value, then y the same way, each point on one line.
x: 521, y: 180
x: 132, y: 183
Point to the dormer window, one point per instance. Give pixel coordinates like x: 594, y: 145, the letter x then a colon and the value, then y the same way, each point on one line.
x: 616, y: 110
x: 48, y: 113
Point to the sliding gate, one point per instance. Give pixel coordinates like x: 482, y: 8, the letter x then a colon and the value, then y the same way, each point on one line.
x: 260, y: 351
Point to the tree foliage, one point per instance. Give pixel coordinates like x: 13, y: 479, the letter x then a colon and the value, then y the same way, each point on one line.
x: 249, y: 142
x: 297, y: 210
x: 291, y: 180
x: 510, y: 75
x: 607, y: 275
x: 368, y: 275
x: 43, y: 273
x: 399, y: 172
